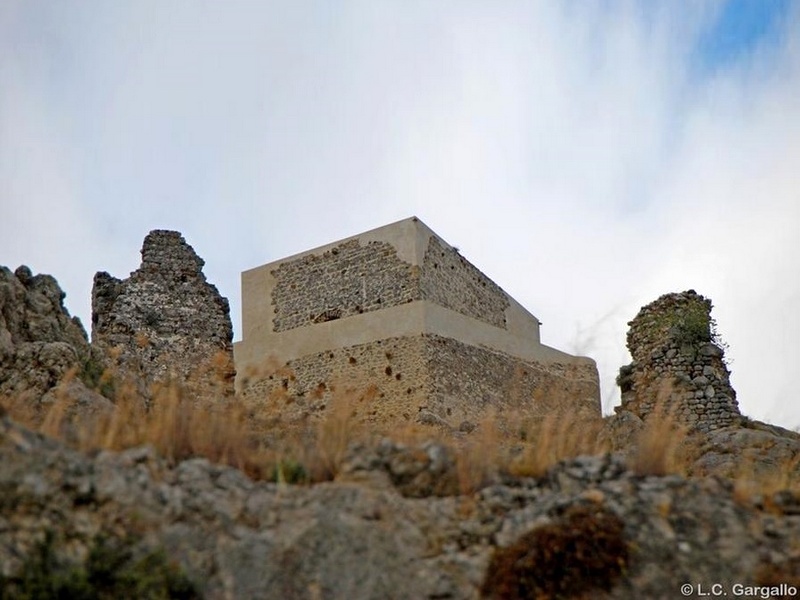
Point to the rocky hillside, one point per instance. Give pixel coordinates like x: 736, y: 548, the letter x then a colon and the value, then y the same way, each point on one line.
x: 637, y: 507
x: 40, y: 345
x: 588, y: 528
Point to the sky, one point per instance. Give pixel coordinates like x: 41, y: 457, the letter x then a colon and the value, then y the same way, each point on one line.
x: 588, y: 156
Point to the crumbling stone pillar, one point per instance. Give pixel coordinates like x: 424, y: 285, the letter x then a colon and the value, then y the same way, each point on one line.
x: 678, y: 364
x: 166, y: 322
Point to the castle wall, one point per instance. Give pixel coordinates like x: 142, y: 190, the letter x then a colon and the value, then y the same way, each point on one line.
x: 399, y: 320
x: 422, y: 378
x: 397, y: 280
x: 383, y: 381
x: 451, y: 281
x: 468, y: 380
x: 349, y: 279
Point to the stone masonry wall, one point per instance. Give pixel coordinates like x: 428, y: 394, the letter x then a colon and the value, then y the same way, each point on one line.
x: 166, y: 321
x: 347, y: 280
x: 385, y: 381
x: 426, y: 378
x: 467, y: 381
x: 449, y: 280
x: 352, y: 279
x: 678, y: 364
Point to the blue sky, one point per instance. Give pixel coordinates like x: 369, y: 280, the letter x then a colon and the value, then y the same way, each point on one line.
x: 739, y: 28
x: 587, y: 156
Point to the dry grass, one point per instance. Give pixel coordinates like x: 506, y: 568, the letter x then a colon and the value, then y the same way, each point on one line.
x: 754, y: 481
x: 256, y: 436
x: 555, y: 437
x: 662, y: 447
x: 251, y: 436
x: 263, y: 439
x: 479, y: 457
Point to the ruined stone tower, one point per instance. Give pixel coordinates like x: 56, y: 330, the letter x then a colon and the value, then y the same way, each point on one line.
x: 398, y: 320
x: 166, y: 322
x: 678, y: 367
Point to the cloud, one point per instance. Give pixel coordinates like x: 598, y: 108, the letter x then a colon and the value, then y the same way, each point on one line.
x: 576, y: 153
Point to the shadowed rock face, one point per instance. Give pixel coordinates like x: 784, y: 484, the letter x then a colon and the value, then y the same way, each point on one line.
x: 39, y: 341
x: 166, y: 321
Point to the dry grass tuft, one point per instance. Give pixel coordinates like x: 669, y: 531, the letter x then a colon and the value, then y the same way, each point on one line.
x: 663, y: 446
x: 555, y: 437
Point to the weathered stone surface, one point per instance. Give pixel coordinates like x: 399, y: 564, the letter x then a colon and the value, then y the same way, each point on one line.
x: 751, y: 450
x: 39, y: 342
x: 242, y: 539
x: 676, y: 358
x: 400, y: 322
x: 166, y: 321
x: 424, y: 379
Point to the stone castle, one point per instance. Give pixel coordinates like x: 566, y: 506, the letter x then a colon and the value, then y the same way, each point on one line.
x: 394, y: 320
x: 398, y: 319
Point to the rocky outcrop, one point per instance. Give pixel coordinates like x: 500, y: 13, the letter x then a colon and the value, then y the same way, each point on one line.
x: 40, y: 344
x: 678, y: 365
x: 235, y: 538
x: 166, y: 322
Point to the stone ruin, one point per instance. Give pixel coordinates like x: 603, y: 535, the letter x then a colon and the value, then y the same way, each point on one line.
x: 678, y: 365
x: 166, y: 322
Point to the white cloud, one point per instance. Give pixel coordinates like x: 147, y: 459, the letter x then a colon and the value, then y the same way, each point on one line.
x: 574, y: 152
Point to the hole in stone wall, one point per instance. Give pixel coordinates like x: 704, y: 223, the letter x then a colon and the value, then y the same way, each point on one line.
x: 449, y: 411
x: 388, y: 356
x: 398, y: 377
x: 352, y: 360
x: 388, y: 371
x: 328, y: 315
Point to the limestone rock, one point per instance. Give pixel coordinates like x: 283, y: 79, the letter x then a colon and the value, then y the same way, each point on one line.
x: 749, y: 450
x: 236, y: 538
x: 166, y: 321
x: 39, y: 342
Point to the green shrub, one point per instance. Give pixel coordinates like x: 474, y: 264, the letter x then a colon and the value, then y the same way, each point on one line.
x: 94, y: 374
x: 289, y: 471
x: 693, y: 325
x: 110, y: 572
